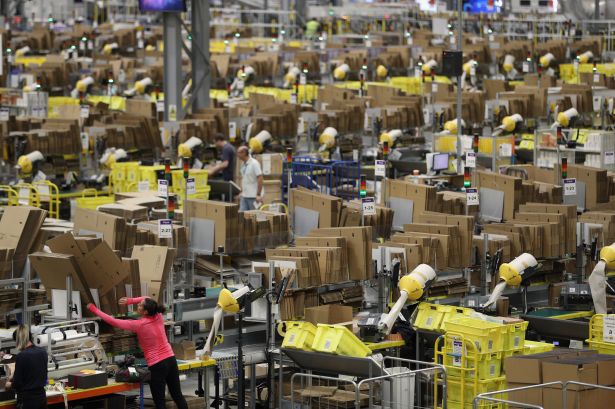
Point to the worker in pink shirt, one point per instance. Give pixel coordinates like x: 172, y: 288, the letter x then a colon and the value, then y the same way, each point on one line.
x: 155, y: 345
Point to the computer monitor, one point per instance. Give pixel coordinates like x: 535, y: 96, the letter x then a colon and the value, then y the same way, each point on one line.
x: 440, y: 162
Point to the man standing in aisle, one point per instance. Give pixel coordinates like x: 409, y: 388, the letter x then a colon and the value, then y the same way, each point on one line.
x: 251, y: 180
x: 226, y: 167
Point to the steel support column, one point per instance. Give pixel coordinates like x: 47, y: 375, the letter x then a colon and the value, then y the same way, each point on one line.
x: 172, y: 67
x: 201, y: 75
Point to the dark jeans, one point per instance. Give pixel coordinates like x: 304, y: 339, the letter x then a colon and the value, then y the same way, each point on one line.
x: 31, y: 400
x: 166, y: 372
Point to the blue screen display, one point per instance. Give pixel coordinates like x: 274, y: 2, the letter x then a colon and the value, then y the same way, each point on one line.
x: 479, y: 6
x: 162, y: 5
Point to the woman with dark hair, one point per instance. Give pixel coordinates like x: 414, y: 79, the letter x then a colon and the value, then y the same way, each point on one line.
x: 30, y: 375
x: 155, y: 345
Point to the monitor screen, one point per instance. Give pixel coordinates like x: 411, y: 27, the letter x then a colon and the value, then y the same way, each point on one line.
x: 480, y: 6
x: 440, y: 161
x: 162, y: 5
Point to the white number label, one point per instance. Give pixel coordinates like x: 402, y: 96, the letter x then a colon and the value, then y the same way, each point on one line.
x: 526, y: 67
x: 4, y: 114
x: 303, y: 79
x: 596, y: 77
x: 165, y: 229
x: 380, y: 169
x: 609, y: 158
x: 163, y: 187
x: 190, y: 186
x: 570, y: 187
x: 471, y: 159
x: 472, y: 197
x: 293, y: 98
x: 85, y: 111
x: 369, y: 206
x: 160, y: 106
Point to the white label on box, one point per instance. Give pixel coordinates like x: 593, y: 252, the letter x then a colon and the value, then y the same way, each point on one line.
x: 427, y: 115
x: 163, y: 187
x: 274, y: 207
x: 84, y: 113
x: 355, y: 155
x: 506, y: 149
x: 143, y: 186
x: 4, y: 114
x: 570, y: 187
x: 172, y: 113
x: 457, y: 352
x: 85, y: 141
x: 293, y: 98
x: 160, y: 106
x: 81, y: 46
x: 434, y: 86
x: 417, y: 72
x: 471, y: 159
x: 608, y: 328
x: 369, y: 206
x: 491, y: 38
x: 24, y: 196
x: 368, y: 43
x: 232, y: 131
x: 597, y: 103
x: 44, y: 192
x: 409, y: 41
x: 227, y: 48
x: 191, y: 186
x: 140, y: 44
x: 266, y: 159
x: 576, y: 344
x: 473, y: 70
x: 609, y: 158
x: 576, y: 65
x: 165, y: 229
x: 525, y: 67
x: 90, y: 45
x: 472, y: 197
x: 380, y: 168
x: 302, y: 79
x: 596, y: 77
x: 241, y: 85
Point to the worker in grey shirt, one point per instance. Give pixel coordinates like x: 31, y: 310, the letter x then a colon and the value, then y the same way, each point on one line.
x: 251, y: 181
x: 226, y: 167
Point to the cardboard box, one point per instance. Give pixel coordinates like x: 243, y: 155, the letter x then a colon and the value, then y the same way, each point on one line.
x: 88, y: 379
x: 530, y: 396
x: 584, y: 399
x: 184, y: 350
x: 570, y: 369
x: 328, y: 314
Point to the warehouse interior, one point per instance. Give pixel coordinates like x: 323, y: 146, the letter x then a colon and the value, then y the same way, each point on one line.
x: 307, y: 204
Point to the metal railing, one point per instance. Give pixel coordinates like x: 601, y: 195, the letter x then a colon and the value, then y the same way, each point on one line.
x: 402, y: 389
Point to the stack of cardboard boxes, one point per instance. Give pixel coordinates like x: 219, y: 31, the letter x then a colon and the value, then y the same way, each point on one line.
x: 562, y: 366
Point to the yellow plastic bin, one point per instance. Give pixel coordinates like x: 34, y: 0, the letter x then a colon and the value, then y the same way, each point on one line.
x: 433, y: 316
x: 487, y: 336
x: 535, y: 347
x: 596, y: 327
x: 93, y: 202
x: 606, y: 348
x: 150, y: 174
x: 486, y: 366
x: 515, y: 338
x: 299, y: 335
x: 339, y: 340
